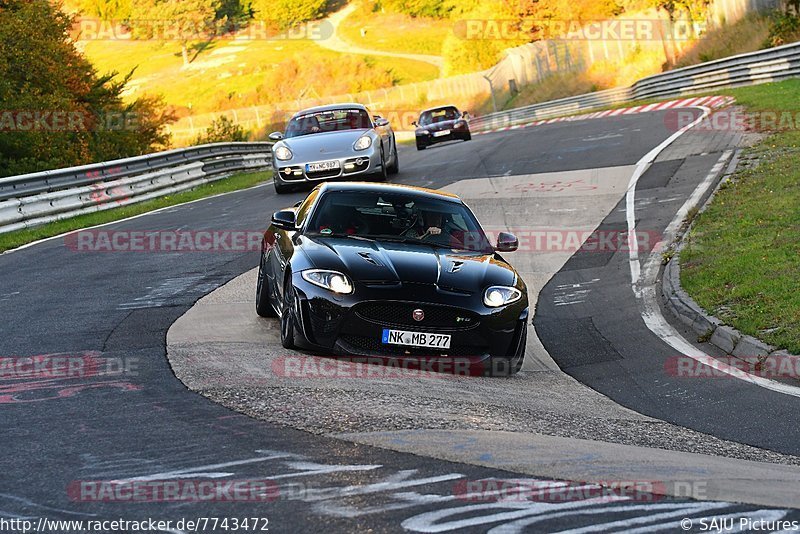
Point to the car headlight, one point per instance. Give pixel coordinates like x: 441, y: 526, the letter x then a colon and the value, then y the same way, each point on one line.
x: 363, y: 143
x: 424, y: 132
x: 330, y: 280
x: 497, y: 296
x: 283, y: 153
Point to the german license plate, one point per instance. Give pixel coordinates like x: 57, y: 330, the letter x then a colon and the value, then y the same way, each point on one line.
x: 322, y: 166
x: 415, y: 339
x: 441, y: 133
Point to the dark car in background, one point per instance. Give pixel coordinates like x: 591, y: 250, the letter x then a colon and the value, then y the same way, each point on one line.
x: 398, y: 273
x: 444, y: 123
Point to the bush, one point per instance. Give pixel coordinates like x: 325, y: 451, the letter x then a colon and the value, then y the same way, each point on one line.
x: 222, y: 130
x: 785, y: 28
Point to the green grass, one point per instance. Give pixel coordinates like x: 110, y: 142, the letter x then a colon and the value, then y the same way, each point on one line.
x: 395, y: 32
x: 16, y: 239
x: 742, y: 259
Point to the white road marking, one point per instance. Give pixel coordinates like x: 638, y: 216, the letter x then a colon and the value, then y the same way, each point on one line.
x: 205, y: 470
x: 630, y: 196
x: 645, y: 289
x: 675, y: 510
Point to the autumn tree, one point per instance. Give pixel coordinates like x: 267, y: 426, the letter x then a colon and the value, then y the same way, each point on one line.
x: 43, y: 76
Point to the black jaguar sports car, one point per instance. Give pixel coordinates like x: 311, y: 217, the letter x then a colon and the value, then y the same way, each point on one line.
x: 398, y: 273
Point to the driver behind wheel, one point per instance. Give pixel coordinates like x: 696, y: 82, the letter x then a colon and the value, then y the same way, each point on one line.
x: 432, y: 226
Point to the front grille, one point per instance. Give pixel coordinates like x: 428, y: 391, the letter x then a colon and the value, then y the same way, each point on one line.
x: 368, y: 346
x: 316, y: 175
x: 401, y: 314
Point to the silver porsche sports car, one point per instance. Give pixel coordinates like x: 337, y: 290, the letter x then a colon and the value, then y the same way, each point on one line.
x: 333, y: 142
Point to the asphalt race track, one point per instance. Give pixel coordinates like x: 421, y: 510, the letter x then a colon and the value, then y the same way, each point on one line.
x: 143, y: 424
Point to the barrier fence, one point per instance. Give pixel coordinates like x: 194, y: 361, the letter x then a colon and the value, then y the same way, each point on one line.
x: 38, y: 198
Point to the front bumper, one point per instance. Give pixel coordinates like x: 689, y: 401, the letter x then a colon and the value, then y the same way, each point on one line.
x: 352, y: 325
x: 358, y: 164
x: 430, y: 139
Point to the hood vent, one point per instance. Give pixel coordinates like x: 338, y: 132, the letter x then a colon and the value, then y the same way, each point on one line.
x: 456, y: 267
x: 369, y: 258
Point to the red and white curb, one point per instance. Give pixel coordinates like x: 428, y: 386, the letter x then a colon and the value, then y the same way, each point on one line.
x: 713, y: 102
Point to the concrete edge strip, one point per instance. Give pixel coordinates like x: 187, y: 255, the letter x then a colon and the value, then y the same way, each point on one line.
x: 644, y: 283
x: 709, y: 101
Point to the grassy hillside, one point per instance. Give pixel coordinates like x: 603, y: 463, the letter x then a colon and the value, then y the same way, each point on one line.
x: 230, y: 74
x: 395, y: 32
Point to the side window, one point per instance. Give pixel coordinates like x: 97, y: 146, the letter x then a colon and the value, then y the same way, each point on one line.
x: 305, y: 208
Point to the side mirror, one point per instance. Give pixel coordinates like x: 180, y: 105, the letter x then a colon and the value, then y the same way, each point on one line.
x: 507, y: 242
x: 285, y: 219
x: 380, y: 122
x: 465, y: 115
x: 414, y: 123
x: 275, y: 136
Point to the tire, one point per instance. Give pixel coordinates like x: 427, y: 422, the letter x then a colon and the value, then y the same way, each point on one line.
x: 263, y: 305
x: 281, y: 188
x: 503, y: 366
x: 383, y: 175
x: 468, y: 137
x: 287, y: 316
x: 421, y: 147
x: 394, y: 168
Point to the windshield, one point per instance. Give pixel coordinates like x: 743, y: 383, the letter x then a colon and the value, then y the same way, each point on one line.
x: 336, y: 120
x: 399, y: 217
x: 438, y: 115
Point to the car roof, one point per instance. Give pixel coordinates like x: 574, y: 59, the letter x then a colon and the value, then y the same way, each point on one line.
x: 372, y: 187
x: 330, y: 107
x: 439, y: 107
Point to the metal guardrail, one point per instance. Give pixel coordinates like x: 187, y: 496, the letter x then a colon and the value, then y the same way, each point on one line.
x: 772, y: 64
x: 38, y: 198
